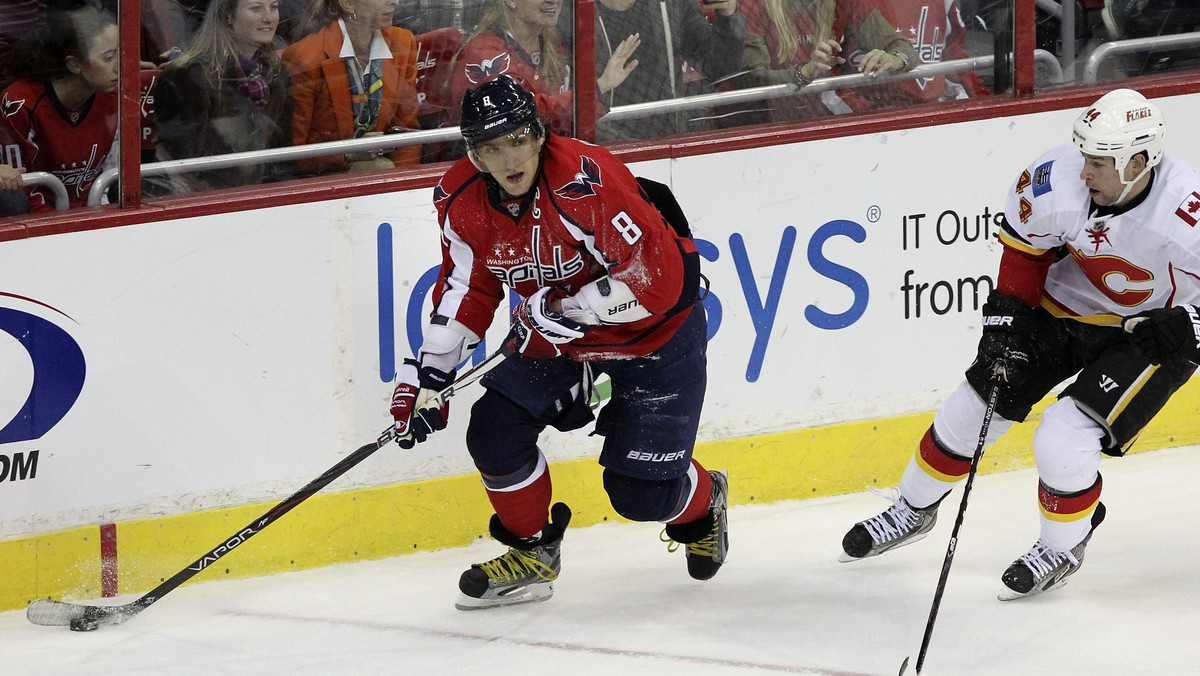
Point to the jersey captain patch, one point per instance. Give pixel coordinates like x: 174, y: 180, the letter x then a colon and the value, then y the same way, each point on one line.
x: 1041, y: 179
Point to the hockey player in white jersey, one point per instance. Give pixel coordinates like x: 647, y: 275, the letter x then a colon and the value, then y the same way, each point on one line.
x: 1101, y: 236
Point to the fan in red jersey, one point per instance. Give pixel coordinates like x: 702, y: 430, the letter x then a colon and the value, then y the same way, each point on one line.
x: 1098, y: 287
x: 607, y: 286
x: 63, y: 117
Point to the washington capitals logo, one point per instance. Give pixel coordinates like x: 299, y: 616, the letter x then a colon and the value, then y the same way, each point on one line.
x: 582, y: 186
x: 488, y: 68
x: 438, y: 193
x: 11, y: 107
x: 1098, y: 233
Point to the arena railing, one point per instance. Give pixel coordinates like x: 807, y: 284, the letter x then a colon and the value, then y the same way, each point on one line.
x: 45, y: 178
x: 1108, y: 50
x: 638, y: 110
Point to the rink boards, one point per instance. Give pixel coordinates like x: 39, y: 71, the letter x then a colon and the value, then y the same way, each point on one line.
x: 166, y: 383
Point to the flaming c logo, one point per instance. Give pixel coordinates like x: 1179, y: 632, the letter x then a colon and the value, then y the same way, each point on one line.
x: 58, y: 370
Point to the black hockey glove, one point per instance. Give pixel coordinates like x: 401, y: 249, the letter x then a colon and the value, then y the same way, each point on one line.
x: 1007, y: 344
x: 1166, y: 335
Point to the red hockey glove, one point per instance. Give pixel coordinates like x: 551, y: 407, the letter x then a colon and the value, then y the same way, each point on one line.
x: 1166, y: 335
x: 538, y: 330
x: 414, y: 403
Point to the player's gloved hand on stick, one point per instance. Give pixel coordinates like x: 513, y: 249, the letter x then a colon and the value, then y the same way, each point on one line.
x: 1006, y: 343
x: 538, y: 330
x: 1166, y: 335
x: 414, y: 402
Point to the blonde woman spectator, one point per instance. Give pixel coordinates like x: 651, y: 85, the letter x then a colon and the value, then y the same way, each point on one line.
x: 803, y: 40
x: 228, y: 92
x: 355, y: 77
x: 520, y: 38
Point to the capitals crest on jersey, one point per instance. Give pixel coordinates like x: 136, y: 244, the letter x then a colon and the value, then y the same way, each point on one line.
x: 439, y: 193
x: 585, y: 181
x: 488, y: 69
x: 10, y: 108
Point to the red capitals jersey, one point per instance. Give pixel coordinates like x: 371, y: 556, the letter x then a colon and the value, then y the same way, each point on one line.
x: 584, y: 218
x: 935, y: 29
x: 38, y: 133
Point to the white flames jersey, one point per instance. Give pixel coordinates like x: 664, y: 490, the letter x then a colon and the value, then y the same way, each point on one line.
x: 1109, y: 266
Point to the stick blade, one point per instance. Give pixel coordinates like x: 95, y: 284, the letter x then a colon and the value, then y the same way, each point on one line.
x: 51, y: 613
x: 903, y: 666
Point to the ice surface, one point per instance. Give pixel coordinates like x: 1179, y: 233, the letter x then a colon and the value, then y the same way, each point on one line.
x: 782, y: 604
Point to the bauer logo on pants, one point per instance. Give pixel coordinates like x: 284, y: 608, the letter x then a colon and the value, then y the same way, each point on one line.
x: 57, y: 374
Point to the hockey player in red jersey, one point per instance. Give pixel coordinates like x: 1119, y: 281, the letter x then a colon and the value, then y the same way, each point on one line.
x: 606, y: 286
x: 1099, y: 232
x: 63, y: 119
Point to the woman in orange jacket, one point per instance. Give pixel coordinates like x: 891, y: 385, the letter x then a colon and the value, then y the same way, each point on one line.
x: 354, y: 77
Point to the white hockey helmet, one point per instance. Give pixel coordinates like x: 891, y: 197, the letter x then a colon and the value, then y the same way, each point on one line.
x: 1121, y: 124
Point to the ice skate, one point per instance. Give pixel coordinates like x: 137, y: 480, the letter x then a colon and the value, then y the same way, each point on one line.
x: 898, y: 525
x: 1042, y: 568
x: 525, y: 573
x: 706, y: 540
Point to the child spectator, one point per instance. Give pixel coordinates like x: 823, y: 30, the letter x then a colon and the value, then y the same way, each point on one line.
x: 226, y: 93
x: 62, y: 117
x: 355, y: 77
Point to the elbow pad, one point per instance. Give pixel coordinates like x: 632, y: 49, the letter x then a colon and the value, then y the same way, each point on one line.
x: 604, y: 301
x: 447, y: 343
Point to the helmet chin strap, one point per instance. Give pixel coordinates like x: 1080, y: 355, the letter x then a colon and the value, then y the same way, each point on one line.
x: 1129, y: 185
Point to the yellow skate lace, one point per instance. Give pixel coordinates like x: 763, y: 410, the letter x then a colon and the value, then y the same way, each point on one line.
x: 514, y: 565
x: 706, y: 546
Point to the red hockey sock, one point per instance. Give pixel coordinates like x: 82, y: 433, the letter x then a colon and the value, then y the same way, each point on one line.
x: 524, y: 507
x: 701, y: 498
x: 939, y: 463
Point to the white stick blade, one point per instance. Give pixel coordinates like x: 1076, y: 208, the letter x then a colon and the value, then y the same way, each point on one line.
x: 51, y: 613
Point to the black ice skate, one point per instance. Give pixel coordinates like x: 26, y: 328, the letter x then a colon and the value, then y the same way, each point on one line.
x: 898, y: 525
x: 1042, y: 568
x: 705, y: 540
x: 525, y: 573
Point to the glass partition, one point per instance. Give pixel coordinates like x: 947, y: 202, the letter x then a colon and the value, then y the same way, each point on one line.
x: 248, y: 92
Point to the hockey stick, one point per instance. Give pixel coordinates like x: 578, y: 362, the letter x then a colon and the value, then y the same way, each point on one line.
x: 84, y: 617
x: 993, y: 395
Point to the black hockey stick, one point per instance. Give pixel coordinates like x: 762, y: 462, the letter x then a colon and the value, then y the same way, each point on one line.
x: 84, y: 617
x: 993, y: 395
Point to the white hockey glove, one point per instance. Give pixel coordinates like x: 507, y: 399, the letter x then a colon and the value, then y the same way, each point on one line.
x: 604, y: 301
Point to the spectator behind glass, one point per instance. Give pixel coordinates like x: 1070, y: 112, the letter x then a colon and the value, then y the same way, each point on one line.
x: 936, y: 31
x: 520, y: 38
x: 355, y: 77
x: 680, y: 49
x: 796, y: 37
x: 226, y: 93
x: 62, y: 116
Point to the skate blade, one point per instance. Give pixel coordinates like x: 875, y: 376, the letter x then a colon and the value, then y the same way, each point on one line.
x: 1009, y: 595
x: 530, y: 594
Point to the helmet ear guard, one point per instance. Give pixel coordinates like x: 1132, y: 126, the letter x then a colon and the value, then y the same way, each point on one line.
x: 1120, y: 125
